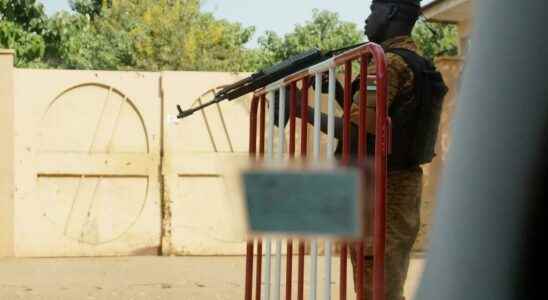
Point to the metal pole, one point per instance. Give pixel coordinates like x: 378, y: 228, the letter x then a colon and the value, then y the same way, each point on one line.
x: 270, y: 156
x: 292, y: 133
x: 304, y: 153
x: 330, y: 157
x: 316, y: 156
x: 281, y: 127
x: 346, y: 159
x: 281, y: 132
x: 260, y: 258
x: 362, y: 153
x: 252, y: 151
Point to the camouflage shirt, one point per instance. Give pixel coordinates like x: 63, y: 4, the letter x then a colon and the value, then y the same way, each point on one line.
x: 400, y: 76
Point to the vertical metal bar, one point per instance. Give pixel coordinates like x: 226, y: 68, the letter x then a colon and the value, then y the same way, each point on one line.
x: 289, y: 270
x: 331, y: 115
x: 300, y: 281
x: 281, y: 124
x: 304, y: 117
x: 304, y: 152
x: 292, y: 118
x: 252, y: 152
x: 316, y: 156
x: 270, y: 153
x: 280, y: 156
x: 347, y: 107
x: 259, y: 270
x: 317, y: 116
x: 271, y: 112
x: 253, y: 126
x: 278, y: 271
x: 262, y: 125
x: 249, y: 270
x: 267, y: 262
x: 258, y: 281
x: 346, y: 158
x: 362, y: 152
x: 330, y: 157
x: 381, y: 155
x: 292, y: 131
x: 362, y: 148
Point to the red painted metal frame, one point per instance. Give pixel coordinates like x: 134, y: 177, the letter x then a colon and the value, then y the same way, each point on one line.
x: 304, y: 152
x: 362, y: 155
x: 364, y: 53
x: 252, y: 151
x: 262, y: 114
x: 292, y: 132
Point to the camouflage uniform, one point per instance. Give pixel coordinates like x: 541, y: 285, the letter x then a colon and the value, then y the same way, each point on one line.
x: 404, y: 191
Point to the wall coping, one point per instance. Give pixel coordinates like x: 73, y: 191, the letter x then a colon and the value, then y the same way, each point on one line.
x: 7, y: 51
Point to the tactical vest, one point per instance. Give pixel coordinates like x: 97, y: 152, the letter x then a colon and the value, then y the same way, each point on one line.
x: 415, y: 123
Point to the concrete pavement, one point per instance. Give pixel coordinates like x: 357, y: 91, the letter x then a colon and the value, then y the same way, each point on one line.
x: 137, y: 278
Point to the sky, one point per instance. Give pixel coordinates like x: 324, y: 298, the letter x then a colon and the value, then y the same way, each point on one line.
x: 279, y: 16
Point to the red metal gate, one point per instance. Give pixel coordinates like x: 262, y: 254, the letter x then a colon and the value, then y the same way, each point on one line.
x: 364, y: 55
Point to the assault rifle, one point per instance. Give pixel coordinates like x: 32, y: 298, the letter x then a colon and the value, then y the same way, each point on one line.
x: 265, y: 77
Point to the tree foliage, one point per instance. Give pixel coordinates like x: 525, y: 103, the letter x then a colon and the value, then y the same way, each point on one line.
x: 436, y: 39
x: 22, y: 23
x: 326, y: 31
x: 156, y: 35
x: 29, y: 46
x: 124, y: 35
x: 175, y: 35
x: 91, y: 8
x: 74, y: 43
x: 27, y: 14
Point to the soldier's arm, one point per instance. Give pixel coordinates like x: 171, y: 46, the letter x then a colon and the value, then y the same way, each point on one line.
x: 396, y: 67
x: 396, y: 70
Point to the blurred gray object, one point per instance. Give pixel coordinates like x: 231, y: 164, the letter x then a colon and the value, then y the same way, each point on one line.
x: 489, y: 234
x: 304, y: 203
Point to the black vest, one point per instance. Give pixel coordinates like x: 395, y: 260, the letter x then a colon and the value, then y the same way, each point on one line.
x: 416, y: 115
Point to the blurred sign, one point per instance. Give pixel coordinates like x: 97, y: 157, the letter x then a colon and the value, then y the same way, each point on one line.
x: 304, y: 202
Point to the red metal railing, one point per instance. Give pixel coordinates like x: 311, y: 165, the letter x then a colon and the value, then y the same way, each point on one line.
x: 365, y: 54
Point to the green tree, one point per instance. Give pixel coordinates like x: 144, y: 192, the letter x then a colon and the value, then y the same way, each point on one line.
x: 91, y: 8
x: 22, y: 23
x: 326, y: 31
x: 28, y: 14
x: 124, y: 35
x: 73, y: 42
x: 172, y: 35
x: 436, y: 39
x: 29, y: 46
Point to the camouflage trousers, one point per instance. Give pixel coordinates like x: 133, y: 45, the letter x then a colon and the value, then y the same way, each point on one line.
x: 402, y: 227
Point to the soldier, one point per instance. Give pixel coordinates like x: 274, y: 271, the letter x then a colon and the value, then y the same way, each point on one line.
x: 415, y: 102
x: 390, y: 24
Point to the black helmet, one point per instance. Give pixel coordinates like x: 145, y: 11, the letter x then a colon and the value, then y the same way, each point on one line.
x: 413, y: 3
x: 409, y: 10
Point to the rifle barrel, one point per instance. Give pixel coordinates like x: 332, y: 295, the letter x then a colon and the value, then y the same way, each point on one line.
x: 187, y: 113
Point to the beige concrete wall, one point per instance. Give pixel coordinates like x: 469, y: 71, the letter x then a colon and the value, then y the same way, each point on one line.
x: 6, y: 154
x: 87, y: 155
x: 199, y: 153
x: 451, y: 69
x: 459, y: 12
x: 104, y: 168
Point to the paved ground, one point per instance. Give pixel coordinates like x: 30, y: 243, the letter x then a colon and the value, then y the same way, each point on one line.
x: 136, y: 278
